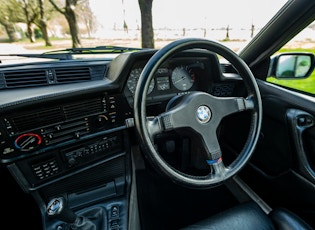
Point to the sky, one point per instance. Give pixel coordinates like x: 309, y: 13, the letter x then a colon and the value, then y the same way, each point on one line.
x: 187, y: 13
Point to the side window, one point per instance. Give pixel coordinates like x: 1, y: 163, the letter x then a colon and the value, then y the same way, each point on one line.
x: 293, y: 65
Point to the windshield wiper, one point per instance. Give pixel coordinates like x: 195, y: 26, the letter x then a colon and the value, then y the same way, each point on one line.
x: 67, y: 54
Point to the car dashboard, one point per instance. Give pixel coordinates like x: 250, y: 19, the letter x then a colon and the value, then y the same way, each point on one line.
x: 67, y: 126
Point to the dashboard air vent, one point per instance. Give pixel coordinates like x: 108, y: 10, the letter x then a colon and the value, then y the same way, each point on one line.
x: 27, y: 121
x: 25, y: 78
x: 56, y: 114
x: 228, y: 68
x: 74, y: 74
x: 83, y: 108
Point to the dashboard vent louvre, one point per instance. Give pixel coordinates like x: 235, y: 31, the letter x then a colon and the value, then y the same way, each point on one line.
x: 27, y: 121
x: 16, y: 79
x: 74, y: 74
x: 67, y: 131
x: 222, y: 90
x: 56, y: 114
x: 228, y: 68
x: 83, y: 108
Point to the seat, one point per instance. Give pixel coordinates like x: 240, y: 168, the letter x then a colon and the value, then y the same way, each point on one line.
x: 249, y: 216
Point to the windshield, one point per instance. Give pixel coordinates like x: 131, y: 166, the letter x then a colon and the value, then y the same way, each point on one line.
x: 121, y: 23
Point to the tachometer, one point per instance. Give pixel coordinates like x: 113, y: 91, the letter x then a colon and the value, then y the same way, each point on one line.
x: 133, y: 81
x: 182, y: 79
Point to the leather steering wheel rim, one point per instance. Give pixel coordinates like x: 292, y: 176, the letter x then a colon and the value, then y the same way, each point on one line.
x: 147, y: 129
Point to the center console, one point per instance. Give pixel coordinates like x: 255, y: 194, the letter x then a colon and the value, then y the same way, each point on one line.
x: 88, y: 170
x: 93, y: 177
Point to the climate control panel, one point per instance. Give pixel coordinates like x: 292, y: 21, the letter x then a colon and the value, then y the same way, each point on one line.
x: 32, y: 132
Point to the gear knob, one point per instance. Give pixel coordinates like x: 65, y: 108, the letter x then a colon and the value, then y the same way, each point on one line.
x: 58, y: 208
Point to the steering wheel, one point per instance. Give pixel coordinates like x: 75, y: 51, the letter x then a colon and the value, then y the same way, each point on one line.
x: 201, y: 112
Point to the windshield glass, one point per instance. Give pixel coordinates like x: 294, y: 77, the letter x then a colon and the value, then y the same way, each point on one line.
x: 120, y: 23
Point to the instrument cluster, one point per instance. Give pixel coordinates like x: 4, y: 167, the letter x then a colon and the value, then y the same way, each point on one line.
x: 176, y: 76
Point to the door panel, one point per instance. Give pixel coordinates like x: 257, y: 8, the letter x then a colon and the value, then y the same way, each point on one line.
x: 299, y: 122
x: 282, y: 169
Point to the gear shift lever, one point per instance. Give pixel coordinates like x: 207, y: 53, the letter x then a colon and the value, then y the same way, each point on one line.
x: 57, y: 207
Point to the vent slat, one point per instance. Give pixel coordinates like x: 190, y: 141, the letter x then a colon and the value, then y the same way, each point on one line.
x: 30, y: 120
x: 64, y: 138
x: 19, y: 78
x: 19, y: 81
x: 228, y: 68
x: 66, y: 126
x: 42, y: 77
x: 83, y: 108
x: 53, y: 115
x: 90, y: 106
x: 23, y: 74
x: 69, y: 73
x: 15, y: 79
x: 64, y: 75
x: 68, y: 131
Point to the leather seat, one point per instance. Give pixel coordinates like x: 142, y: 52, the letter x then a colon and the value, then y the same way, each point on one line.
x: 249, y: 216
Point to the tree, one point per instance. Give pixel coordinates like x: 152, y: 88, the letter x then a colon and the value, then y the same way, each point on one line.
x: 9, y: 28
x: 42, y: 23
x: 30, y: 13
x: 8, y: 18
x: 124, y: 13
x: 69, y: 12
x: 86, y: 17
x: 227, y: 35
x: 252, y: 30
x: 147, y: 34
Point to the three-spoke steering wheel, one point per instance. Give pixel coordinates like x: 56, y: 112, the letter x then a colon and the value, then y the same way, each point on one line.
x: 200, y: 111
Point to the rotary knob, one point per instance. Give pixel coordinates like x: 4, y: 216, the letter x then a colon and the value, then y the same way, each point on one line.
x: 27, y: 142
x: 101, y: 120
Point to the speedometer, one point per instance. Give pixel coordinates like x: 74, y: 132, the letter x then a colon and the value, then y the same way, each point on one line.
x: 133, y: 81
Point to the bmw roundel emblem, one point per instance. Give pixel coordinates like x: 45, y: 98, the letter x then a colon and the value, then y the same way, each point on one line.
x: 203, y: 114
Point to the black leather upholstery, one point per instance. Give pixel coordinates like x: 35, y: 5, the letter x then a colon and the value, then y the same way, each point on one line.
x: 284, y: 219
x: 249, y: 216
